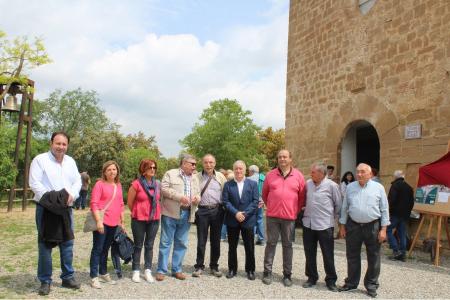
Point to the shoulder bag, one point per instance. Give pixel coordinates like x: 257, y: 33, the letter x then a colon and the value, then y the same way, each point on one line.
x: 90, y: 224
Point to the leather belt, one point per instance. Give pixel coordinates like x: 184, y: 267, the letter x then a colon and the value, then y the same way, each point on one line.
x: 212, y: 206
x: 363, y: 224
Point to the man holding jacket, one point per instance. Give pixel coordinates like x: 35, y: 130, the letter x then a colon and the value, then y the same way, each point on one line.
x: 51, y: 172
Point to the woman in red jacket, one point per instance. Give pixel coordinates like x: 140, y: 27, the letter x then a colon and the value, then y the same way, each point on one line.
x: 143, y: 201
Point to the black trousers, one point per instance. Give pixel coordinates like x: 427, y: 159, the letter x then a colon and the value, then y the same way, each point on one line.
x: 326, y: 242
x: 356, y: 235
x: 212, y: 220
x: 249, y: 246
x: 144, y: 233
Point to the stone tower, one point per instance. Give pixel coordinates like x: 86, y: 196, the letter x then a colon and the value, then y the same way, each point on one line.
x: 368, y: 81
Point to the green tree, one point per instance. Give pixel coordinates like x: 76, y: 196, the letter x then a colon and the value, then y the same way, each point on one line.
x: 17, y: 56
x: 8, y: 170
x: 139, y: 140
x: 272, y: 141
x: 74, y: 112
x: 96, y: 147
x: 228, y: 132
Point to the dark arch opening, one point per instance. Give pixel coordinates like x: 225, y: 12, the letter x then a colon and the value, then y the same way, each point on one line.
x: 359, y: 145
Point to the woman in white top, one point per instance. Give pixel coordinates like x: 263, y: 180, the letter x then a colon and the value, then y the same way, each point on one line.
x: 346, y: 179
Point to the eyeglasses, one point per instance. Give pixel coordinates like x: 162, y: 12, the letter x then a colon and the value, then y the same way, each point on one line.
x: 192, y: 163
x: 152, y: 168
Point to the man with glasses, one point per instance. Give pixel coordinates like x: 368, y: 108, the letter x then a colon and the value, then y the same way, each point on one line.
x: 181, y: 195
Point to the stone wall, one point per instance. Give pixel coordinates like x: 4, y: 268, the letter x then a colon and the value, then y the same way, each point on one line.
x: 390, y: 67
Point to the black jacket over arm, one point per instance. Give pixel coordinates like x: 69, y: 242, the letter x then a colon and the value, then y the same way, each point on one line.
x: 56, y: 223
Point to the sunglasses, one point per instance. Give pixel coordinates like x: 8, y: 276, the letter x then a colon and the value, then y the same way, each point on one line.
x: 152, y: 168
x: 192, y: 163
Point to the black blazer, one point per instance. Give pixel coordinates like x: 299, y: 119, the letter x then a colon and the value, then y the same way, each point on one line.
x: 248, y: 203
x: 56, y: 224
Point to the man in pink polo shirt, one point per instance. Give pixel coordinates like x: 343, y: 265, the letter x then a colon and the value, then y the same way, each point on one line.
x: 284, y: 195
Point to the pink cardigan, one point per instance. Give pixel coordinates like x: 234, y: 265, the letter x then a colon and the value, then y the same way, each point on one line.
x: 100, y: 196
x: 284, y: 198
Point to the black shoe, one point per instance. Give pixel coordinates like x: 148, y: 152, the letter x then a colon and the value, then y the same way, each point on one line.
x: 346, y: 288
x: 307, y: 284
x: 287, y: 281
x: 332, y: 287
x: 70, y: 284
x: 119, y: 275
x: 400, y: 257
x: 260, y: 242
x: 251, y: 275
x: 372, y: 293
x: 230, y: 274
x: 267, y: 278
x: 44, y: 290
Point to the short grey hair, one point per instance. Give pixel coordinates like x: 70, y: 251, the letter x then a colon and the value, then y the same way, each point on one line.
x: 398, y: 174
x: 186, y: 156
x: 253, y: 169
x: 320, y: 166
x: 239, y: 162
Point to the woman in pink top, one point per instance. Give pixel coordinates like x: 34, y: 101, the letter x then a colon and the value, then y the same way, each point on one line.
x: 106, y: 195
x: 143, y: 201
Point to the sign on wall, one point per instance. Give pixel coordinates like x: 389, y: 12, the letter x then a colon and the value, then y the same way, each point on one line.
x: 413, y: 131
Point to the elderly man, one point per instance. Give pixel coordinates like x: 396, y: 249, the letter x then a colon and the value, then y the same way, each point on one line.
x: 181, y: 195
x: 240, y: 197
x: 54, y: 171
x: 323, y: 203
x: 401, y: 202
x: 284, y: 196
x: 253, y: 172
x: 364, y: 219
x: 209, y: 215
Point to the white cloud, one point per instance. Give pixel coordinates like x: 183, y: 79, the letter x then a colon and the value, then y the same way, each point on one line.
x: 157, y: 84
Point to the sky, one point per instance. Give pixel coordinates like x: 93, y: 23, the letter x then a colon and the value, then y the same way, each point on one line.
x: 157, y: 64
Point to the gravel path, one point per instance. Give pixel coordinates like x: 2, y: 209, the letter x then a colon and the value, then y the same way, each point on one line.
x: 416, y: 278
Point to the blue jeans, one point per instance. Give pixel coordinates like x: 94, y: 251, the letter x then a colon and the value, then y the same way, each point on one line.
x: 223, y: 232
x: 259, y: 228
x: 400, y: 225
x: 81, y: 201
x: 45, y: 268
x: 100, y: 249
x: 174, y: 231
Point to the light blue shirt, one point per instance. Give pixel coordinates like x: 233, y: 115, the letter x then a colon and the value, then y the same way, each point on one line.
x: 47, y: 174
x: 365, y: 204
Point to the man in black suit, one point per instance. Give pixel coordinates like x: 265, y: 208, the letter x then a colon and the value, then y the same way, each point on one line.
x: 240, y: 198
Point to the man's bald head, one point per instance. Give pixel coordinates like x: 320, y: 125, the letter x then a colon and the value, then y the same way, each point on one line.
x: 363, y: 173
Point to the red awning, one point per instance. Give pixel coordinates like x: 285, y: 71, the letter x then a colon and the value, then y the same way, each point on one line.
x: 437, y: 172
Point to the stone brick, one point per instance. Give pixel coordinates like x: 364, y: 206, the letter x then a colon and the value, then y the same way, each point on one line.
x: 387, y: 68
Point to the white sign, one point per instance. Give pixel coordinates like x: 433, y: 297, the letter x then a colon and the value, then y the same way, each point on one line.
x: 413, y: 131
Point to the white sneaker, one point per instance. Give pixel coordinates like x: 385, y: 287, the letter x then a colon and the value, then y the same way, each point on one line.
x: 136, y: 276
x: 106, y: 279
x: 148, y: 276
x: 95, y: 283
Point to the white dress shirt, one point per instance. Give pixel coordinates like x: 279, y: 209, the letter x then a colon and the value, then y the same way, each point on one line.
x: 47, y: 174
x: 240, y: 185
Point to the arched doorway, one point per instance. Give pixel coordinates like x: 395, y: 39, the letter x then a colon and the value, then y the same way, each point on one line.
x: 359, y: 145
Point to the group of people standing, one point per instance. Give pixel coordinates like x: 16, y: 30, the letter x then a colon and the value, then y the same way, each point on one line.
x: 209, y: 200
